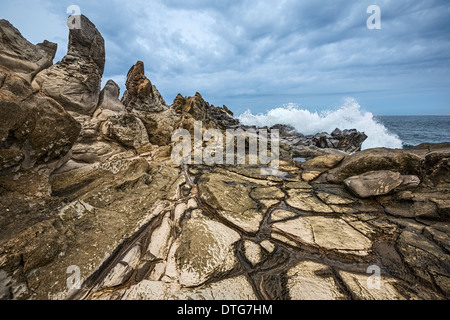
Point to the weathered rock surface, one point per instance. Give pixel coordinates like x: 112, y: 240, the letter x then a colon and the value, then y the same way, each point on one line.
x: 376, y: 183
x: 20, y: 56
x: 75, y: 80
x: 206, y: 249
x: 25, y: 119
x: 402, y: 161
x: 141, y: 95
x: 312, y: 281
x: 326, y: 233
x: 98, y: 193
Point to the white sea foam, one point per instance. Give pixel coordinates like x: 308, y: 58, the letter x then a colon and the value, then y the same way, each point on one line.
x: 348, y: 116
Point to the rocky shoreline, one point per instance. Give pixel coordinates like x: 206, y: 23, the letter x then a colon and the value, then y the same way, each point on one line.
x: 87, y: 183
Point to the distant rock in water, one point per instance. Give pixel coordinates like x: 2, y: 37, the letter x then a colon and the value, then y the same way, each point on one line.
x: 88, y: 184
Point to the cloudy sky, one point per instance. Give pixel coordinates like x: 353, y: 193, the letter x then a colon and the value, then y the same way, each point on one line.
x: 261, y: 54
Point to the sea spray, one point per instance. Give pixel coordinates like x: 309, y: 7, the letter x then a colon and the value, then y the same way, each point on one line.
x: 349, y: 116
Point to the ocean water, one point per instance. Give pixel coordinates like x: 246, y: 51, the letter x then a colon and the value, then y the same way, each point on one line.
x: 414, y: 130
x: 395, y: 132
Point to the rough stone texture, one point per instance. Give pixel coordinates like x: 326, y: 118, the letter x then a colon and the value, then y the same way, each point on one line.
x: 216, y: 117
x: 206, y: 249
x: 140, y: 227
x: 312, y: 281
x: 378, y: 159
x: 361, y: 287
x: 127, y: 129
x: 427, y: 259
x: 252, y: 252
x: 231, y: 198
x: 306, y: 201
x: 24, y: 122
x: 221, y: 290
x: 327, y: 233
x: 87, y: 42
x: 109, y: 98
x: 346, y: 140
x: 75, y: 81
x: 376, y: 183
x: 141, y: 94
x: 22, y: 57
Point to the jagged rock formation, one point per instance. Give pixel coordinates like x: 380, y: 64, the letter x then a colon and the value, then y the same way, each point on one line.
x: 75, y: 80
x: 22, y: 57
x: 87, y: 183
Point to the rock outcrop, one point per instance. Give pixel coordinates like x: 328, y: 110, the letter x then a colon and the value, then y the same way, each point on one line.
x: 20, y: 56
x: 92, y: 206
x: 34, y: 129
x: 75, y: 80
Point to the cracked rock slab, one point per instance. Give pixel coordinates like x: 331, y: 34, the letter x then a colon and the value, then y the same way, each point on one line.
x: 365, y: 287
x: 327, y: 233
x: 306, y: 201
x: 309, y: 280
x: 206, y: 249
x: 230, y: 196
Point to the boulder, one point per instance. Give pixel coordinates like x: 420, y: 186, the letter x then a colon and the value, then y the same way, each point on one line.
x: 377, y: 183
x: 21, y: 56
x: 75, y: 81
x: 402, y: 161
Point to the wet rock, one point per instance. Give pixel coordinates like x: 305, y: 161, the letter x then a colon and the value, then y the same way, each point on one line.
x: 376, y: 183
x: 20, y: 56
